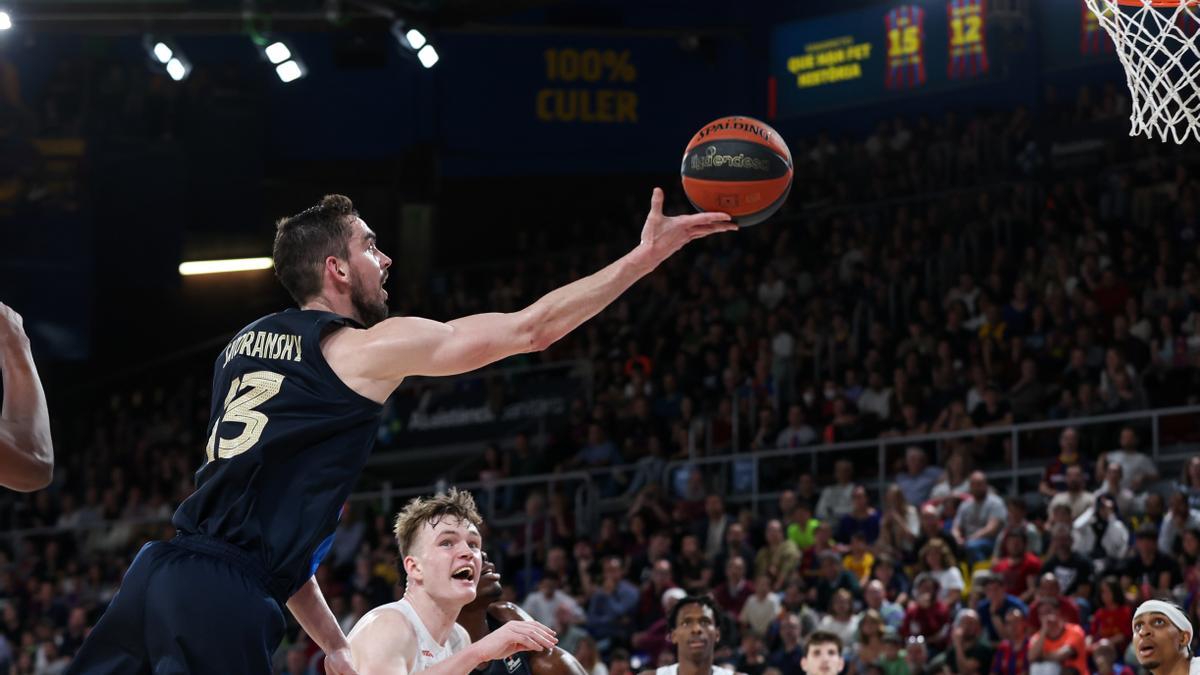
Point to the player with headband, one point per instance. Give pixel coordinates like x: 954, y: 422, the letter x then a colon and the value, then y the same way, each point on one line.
x: 1162, y: 639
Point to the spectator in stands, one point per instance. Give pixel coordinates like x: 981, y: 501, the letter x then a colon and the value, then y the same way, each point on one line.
x: 968, y: 652
x: 1189, y: 482
x: 841, y: 619
x: 937, y: 561
x: 996, y: 604
x: 833, y: 577
x: 1075, y: 496
x: 927, y: 616
x: 1055, y: 479
x: 955, y: 479
x: 661, y: 580
x: 695, y: 573
x: 544, y: 604
x: 1012, y: 653
x: 736, y: 546
x: 797, y: 433
x: 1154, y: 572
x: 933, y: 528
x: 918, y: 478
x: 1058, y: 641
x: 778, y: 559
x: 837, y: 499
x: 1137, y: 470
x: 786, y: 657
x: 1179, y: 519
x: 654, y: 639
x: 1101, y: 536
x: 732, y: 594
x: 867, y: 648
x: 862, y: 519
x: 759, y: 609
x: 611, y: 604
x: 899, y: 524
x: 1016, y: 508
x: 1126, y: 503
x: 875, y: 597
x: 1050, y: 593
x: 979, y: 520
x: 1104, y: 654
x: 1113, y: 619
x: 802, y: 526
x: 1072, y: 571
x: 717, y: 521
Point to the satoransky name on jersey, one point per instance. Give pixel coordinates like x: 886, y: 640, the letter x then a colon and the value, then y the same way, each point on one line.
x: 266, y: 345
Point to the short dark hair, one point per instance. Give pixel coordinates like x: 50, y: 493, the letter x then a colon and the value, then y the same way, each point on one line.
x: 303, y: 241
x: 822, y: 637
x: 703, y: 600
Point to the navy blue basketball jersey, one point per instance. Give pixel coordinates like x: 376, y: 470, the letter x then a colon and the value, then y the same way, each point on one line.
x: 286, y: 442
x: 517, y: 664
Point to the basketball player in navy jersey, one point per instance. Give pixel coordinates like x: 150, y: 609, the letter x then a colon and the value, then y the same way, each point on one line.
x: 297, y: 398
x: 486, y: 614
x: 26, y: 452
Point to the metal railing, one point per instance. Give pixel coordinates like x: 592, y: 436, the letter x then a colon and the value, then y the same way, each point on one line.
x: 882, y: 444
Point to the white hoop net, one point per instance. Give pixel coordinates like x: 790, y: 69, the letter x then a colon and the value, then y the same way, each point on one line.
x: 1156, y: 42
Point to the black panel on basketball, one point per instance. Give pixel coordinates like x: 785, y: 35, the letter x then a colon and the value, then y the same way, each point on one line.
x: 734, y: 161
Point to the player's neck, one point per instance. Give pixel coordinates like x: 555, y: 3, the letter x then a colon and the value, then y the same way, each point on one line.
x: 438, y: 620
x: 474, y: 619
x: 698, y: 664
x: 1180, y: 667
x: 335, y: 304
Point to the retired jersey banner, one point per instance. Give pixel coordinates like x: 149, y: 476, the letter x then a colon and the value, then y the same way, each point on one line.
x: 967, y: 21
x: 879, y: 54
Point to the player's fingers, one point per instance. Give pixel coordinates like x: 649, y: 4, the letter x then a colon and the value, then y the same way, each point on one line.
x: 542, y: 627
x: 703, y: 218
x: 656, y: 202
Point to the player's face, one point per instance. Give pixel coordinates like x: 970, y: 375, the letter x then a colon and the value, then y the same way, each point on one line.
x: 822, y: 659
x: 368, y: 272
x: 489, y: 588
x: 1156, y: 641
x: 696, y: 631
x: 448, y: 558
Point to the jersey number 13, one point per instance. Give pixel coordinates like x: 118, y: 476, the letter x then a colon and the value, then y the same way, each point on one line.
x: 245, y: 394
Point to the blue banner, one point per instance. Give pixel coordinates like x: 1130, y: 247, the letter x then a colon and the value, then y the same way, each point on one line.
x: 537, y: 102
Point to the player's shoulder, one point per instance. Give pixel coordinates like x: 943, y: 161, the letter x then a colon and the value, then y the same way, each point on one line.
x: 507, y: 611
x: 389, y: 619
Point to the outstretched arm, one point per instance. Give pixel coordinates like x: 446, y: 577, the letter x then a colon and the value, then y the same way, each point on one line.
x: 26, y: 451
x: 398, y: 347
x: 314, y: 616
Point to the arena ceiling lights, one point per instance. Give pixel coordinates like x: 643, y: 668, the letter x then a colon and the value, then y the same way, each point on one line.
x: 413, y: 41
x: 5, y: 20
x: 288, y: 65
x: 166, y: 56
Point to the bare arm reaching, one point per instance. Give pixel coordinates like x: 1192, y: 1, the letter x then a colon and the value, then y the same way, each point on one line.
x: 374, y: 361
x: 26, y: 451
x: 314, y: 616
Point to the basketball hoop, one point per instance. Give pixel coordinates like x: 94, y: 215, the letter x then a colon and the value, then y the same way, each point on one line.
x: 1156, y: 42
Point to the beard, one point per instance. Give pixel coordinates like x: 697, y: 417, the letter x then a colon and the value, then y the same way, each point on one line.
x: 367, y: 302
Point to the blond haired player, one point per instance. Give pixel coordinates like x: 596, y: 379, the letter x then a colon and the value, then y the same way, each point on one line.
x: 441, y: 551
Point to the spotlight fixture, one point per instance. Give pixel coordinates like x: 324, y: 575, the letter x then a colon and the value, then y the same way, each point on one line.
x: 166, y: 56
x: 283, y: 57
x: 413, y: 42
x: 5, y: 20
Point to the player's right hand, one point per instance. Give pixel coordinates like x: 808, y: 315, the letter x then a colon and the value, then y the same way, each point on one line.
x: 517, y: 636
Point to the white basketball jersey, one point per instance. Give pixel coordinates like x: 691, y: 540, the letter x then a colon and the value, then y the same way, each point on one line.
x: 429, y: 652
x: 673, y: 669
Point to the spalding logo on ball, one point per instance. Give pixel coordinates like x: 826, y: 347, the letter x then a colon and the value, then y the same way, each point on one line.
x: 739, y: 166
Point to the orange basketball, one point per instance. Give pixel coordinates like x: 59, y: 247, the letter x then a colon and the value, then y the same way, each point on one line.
x: 740, y: 166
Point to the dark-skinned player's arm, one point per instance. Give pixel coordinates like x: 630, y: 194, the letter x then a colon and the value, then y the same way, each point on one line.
x: 555, y: 661
x: 26, y: 450
x: 403, y: 346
